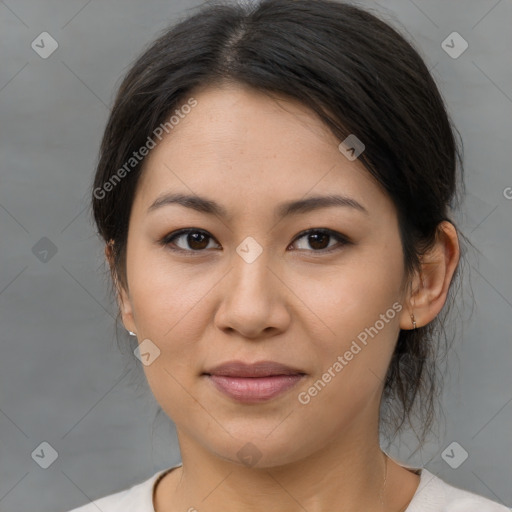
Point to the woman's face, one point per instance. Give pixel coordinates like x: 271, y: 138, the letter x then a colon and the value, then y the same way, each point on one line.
x: 248, y: 285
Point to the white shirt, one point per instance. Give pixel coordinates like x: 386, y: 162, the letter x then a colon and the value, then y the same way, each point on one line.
x: 432, y: 495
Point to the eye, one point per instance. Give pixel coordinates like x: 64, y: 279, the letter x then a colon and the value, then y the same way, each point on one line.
x: 196, y: 239
x: 318, y: 239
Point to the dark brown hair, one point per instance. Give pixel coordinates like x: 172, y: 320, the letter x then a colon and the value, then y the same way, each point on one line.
x: 360, y: 76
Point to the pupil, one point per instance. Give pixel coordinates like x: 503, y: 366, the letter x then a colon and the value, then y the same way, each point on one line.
x: 313, y: 239
x: 196, y: 240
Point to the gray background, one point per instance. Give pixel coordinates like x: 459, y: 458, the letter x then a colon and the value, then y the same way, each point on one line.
x: 62, y: 378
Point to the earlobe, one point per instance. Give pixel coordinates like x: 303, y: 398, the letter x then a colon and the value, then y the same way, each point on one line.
x: 415, y: 295
x: 432, y: 282
x: 125, y: 306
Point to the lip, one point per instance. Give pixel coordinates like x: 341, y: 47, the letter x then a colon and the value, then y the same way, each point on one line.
x: 259, y: 369
x: 253, y: 383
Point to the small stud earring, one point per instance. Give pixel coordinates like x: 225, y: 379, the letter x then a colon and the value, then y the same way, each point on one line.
x: 132, y: 333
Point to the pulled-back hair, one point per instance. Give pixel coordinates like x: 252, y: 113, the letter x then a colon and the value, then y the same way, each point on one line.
x: 360, y: 76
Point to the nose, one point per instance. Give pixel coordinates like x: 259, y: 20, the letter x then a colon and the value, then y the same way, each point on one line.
x: 253, y: 299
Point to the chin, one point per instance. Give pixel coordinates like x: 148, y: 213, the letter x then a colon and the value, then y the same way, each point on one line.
x: 261, y: 450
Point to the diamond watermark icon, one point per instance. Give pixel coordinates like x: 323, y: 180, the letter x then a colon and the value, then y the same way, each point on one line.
x: 44, y: 249
x: 44, y: 45
x: 45, y: 455
x: 146, y: 352
x: 249, y: 455
x: 351, y: 147
x: 249, y: 249
x: 454, y: 45
x: 454, y: 455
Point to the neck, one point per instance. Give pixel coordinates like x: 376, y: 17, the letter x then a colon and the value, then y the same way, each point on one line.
x: 343, y: 475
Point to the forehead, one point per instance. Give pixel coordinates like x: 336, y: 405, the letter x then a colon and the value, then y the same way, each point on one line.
x: 242, y: 145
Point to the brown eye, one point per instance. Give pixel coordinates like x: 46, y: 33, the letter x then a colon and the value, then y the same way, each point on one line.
x: 318, y: 240
x: 190, y: 240
x: 196, y: 240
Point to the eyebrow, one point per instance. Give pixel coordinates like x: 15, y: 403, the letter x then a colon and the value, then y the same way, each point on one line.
x: 205, y: 205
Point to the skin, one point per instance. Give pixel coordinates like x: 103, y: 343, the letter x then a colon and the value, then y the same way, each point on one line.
x: 295, y: 304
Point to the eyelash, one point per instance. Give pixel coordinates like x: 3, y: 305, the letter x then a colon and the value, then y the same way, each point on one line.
x: 342, y: 240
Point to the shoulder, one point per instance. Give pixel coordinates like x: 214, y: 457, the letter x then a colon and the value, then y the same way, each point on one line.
x: 137, y: 498
x: 436, y: 495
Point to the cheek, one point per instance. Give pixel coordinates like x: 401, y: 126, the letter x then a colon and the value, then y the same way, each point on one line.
x: 165, y: 296
x: 359, y: 307
x: 351, y: 366
x: 171, y: 308
x: 353, y: 296
x: 167, y: 310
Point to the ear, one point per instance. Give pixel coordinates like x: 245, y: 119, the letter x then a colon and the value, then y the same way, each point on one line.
x: 122, y: 295
x: 430, y: 285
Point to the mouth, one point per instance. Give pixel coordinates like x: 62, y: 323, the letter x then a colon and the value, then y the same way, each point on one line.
x: 253, y: 383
